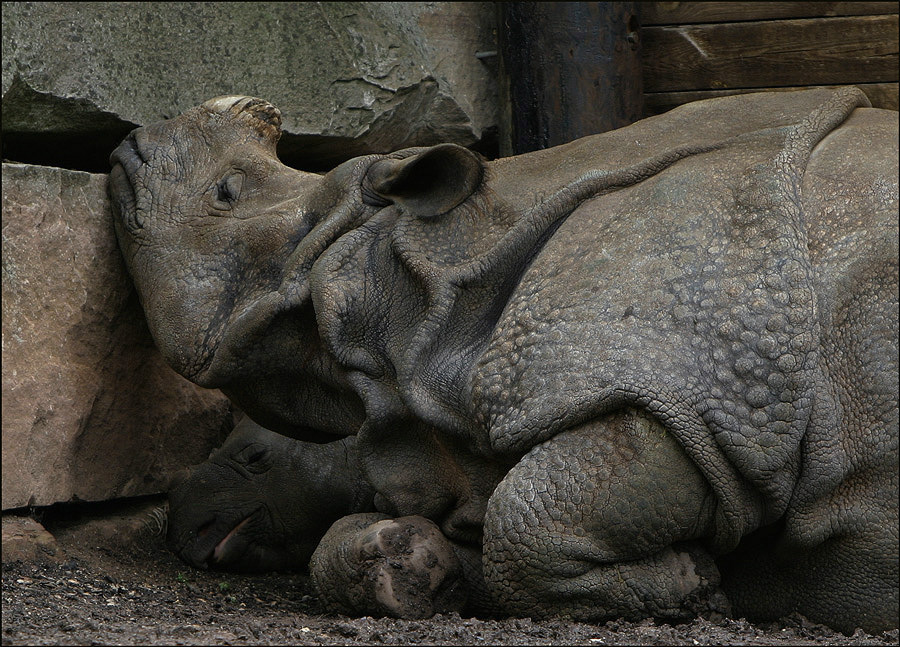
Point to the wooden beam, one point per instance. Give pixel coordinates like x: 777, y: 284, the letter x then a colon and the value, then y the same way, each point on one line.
x: 882, y: 95
x: 817, y: 51
x: 683, y: 13
x: 567, y: 69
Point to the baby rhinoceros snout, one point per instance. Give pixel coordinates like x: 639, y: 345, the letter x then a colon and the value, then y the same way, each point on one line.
x: 232, y: 538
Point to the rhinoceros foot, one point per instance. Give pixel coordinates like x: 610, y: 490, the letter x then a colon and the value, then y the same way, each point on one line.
x: 699, y: 575
x: 372, y: 564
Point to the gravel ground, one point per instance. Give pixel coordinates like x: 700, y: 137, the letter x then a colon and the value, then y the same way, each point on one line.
x: 109, y: 585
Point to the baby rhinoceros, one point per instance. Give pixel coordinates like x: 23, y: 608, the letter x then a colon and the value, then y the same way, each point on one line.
x: 262, y: 501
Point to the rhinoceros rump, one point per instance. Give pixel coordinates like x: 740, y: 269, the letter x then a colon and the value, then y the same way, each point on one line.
x: 621, y: 376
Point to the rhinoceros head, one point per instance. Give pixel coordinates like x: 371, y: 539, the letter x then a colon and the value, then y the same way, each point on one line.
x: 220, y: 237
x: 194, y: 198
x: 262, y: 501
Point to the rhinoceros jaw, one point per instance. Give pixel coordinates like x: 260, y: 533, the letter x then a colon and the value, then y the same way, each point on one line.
x: 217, y: 358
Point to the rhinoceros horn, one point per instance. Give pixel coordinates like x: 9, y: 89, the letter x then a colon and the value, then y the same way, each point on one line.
x: 261, y: 116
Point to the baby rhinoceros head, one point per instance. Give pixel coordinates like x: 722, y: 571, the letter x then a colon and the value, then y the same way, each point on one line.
x: 261, y: 502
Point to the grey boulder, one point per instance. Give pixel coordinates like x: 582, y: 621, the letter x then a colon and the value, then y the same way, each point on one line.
x: 357, y: 77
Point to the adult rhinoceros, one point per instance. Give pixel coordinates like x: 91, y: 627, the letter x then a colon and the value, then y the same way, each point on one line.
x: 616, y: 374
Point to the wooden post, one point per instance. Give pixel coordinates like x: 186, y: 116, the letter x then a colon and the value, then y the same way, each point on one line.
x: 567, y: 69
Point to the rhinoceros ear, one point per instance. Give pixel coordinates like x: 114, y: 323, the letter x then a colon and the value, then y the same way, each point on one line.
x: 429, y: 183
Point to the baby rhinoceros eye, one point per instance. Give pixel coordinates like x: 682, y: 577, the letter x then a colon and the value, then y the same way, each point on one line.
x: 254, y: 457
x: 228, y: 190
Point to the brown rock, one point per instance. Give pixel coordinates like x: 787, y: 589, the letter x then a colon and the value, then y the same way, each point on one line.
x: 90, y: 410
x: 24, y: 539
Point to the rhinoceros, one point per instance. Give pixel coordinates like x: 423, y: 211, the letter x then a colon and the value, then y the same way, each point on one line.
x: 262, y: 501
x: 651, y: 372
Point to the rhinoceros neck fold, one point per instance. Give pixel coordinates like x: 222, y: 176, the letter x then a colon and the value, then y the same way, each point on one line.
x: 337, y: 207
x: 409, y: 304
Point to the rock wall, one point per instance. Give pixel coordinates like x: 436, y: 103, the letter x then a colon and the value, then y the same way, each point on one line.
x: 349, y: 77
x: 90, y: 410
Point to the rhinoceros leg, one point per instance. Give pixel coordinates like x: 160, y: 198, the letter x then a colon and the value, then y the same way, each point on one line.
x: 599, y: 522
x: 847, y: 582
x: 371, y: 564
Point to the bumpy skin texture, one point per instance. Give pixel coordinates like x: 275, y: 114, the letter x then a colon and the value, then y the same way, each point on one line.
x: 619, y: 374
x: 262, y: 501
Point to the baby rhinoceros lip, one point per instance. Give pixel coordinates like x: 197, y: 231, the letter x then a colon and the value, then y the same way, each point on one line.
x: 217, y: 543
x: 219, y: 553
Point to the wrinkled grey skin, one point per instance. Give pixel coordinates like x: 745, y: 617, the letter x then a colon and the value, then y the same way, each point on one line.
x: 262, y: 501
x: 621, y: 376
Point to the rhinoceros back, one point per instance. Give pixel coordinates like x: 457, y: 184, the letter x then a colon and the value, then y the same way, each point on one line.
x: 690, y: 294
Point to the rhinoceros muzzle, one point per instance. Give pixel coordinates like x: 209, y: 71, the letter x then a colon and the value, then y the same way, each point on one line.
x: 128, y: 153
x: 217, y: 542
x: 126, y: 159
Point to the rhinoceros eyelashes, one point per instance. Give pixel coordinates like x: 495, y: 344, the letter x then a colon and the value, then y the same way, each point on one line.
x: 228, y: 190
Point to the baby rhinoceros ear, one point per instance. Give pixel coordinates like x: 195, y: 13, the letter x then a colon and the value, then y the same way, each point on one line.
x: 429, y: 183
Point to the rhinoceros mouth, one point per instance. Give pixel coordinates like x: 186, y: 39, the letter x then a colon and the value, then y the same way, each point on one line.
x: 220, y: 552
x: 217, y: 543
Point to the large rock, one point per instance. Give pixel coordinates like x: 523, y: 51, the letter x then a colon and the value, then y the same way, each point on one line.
x: 25, y: 540
x: 90, y: 411
x: 350, y: 77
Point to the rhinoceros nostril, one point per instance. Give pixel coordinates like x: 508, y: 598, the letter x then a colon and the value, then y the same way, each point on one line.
x: 128, y: 154
x: 136, y: 147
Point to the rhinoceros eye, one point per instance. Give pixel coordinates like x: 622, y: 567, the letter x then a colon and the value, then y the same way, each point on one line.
x: 254, y: 457
x: 228, y: 190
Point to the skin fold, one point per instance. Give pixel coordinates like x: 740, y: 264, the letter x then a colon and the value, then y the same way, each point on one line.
x: 648, y: 373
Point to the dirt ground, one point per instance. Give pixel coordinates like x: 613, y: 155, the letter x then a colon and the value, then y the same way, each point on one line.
x: 107, y: 579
